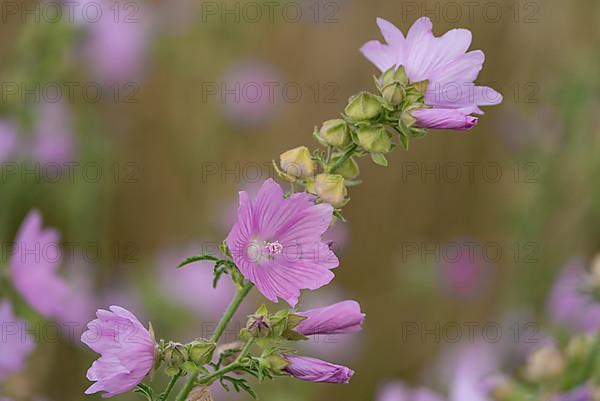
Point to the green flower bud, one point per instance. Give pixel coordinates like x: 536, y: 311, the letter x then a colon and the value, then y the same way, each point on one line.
x: 408, y: 119
x: 374, y: 139
x: 363, y: 106
x: 297, y: 162
x: 394, y: 74
x: 349, y: 170
x: 259, y: 325
x: 175, y: 355
x: 330, y: 188
x: 274, y: 362
x: 547, y: 363
x: 201, y: 351
x: 579, y: 347
x: 393, y: 93
x: 335, y: 133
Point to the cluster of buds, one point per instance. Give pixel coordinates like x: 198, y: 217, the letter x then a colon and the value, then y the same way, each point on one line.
x: 560, y: 374
x: 366, y: 127
x: 189, y: 357
x: 275, y: 327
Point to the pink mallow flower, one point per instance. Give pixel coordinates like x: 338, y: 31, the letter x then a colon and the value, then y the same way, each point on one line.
x: 16, y: 344
x: 316, y: 370
x: 445, y: 63
x: 340, y: 318
x: 277, y: 242
x: 33, y: 267
x: 127, y: 348
x: 568, y: 306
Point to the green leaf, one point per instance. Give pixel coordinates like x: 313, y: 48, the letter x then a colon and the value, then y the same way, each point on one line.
x: 379, y: 159
x: 144, y: 390
x: 404, y: 141
x: 197, y: 258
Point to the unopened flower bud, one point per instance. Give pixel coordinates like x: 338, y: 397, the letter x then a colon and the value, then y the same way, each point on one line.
x: 363, y: 106
x: 335, y: 133
x: 297, y: 162
x: 374, y: 139
x: 258, y: 325
x: 349, y: 169
x: 545, y: 364
x: 393, y: 93
x: 175, y: 356
x: 201, y: 351
x: 331, y: 189
x: 394, y: 74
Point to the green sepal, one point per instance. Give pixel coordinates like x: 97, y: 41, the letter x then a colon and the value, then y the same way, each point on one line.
x: 145, y: 390
x: 379, y: 159
x: 197, y: 258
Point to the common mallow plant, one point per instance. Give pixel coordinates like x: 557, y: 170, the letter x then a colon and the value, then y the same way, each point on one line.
x: 277, y: 244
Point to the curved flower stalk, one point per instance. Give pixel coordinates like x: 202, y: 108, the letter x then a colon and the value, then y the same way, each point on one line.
x: 277, y: 242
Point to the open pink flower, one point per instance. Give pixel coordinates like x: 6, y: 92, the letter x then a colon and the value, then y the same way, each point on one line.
x: 127, y: 351
x: 445, y: 63
x: 316, y: 370
x: 16, y: 344
x: 340, y: 318
x: 277, y: 242
x: 33, y: 267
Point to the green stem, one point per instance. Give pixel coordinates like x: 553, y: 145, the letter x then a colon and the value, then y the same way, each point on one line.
x: 339, y: 162
x: 229, y: 368
x: 172, y: 383
x: 227, y: 316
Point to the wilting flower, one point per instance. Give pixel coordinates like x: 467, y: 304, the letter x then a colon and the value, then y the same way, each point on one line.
x: 277, y: 245
x: 396, y: 391
x: 33, y: 267
x: 340, y: 318
x: 16, y: 344
x: 8, y: 140
x: 127, y: 351
x: 568, y: 305
x: 316, y: 370
x: 444, y: 63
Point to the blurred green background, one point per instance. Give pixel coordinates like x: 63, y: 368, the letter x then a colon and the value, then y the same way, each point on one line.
x: 173, y: 148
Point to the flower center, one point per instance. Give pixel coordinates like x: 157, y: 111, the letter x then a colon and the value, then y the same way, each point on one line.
x: 273, y: 248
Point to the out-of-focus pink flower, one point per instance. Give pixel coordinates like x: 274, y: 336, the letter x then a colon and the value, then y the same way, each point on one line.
x: 127, y: 349
x: 447, y: 66
x: 316, y: 370
x: 463, y: 272
x: 52, y: 140
x: 8, y: 140
x: 192, y: 285
x: 250, y: 93
x: 397, y: 391
x: 582, y: 393
x: 277, y: 242
x: 34, y: 264
x: 340, y: 318
x: 117, y: 46
x: 567, y: 305
x: 16, y: 343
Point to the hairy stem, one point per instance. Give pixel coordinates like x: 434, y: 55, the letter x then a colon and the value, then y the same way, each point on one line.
x: 339, y: 162
x: 227, y: 316
x: 229, y: 368
x: 165, y: 395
